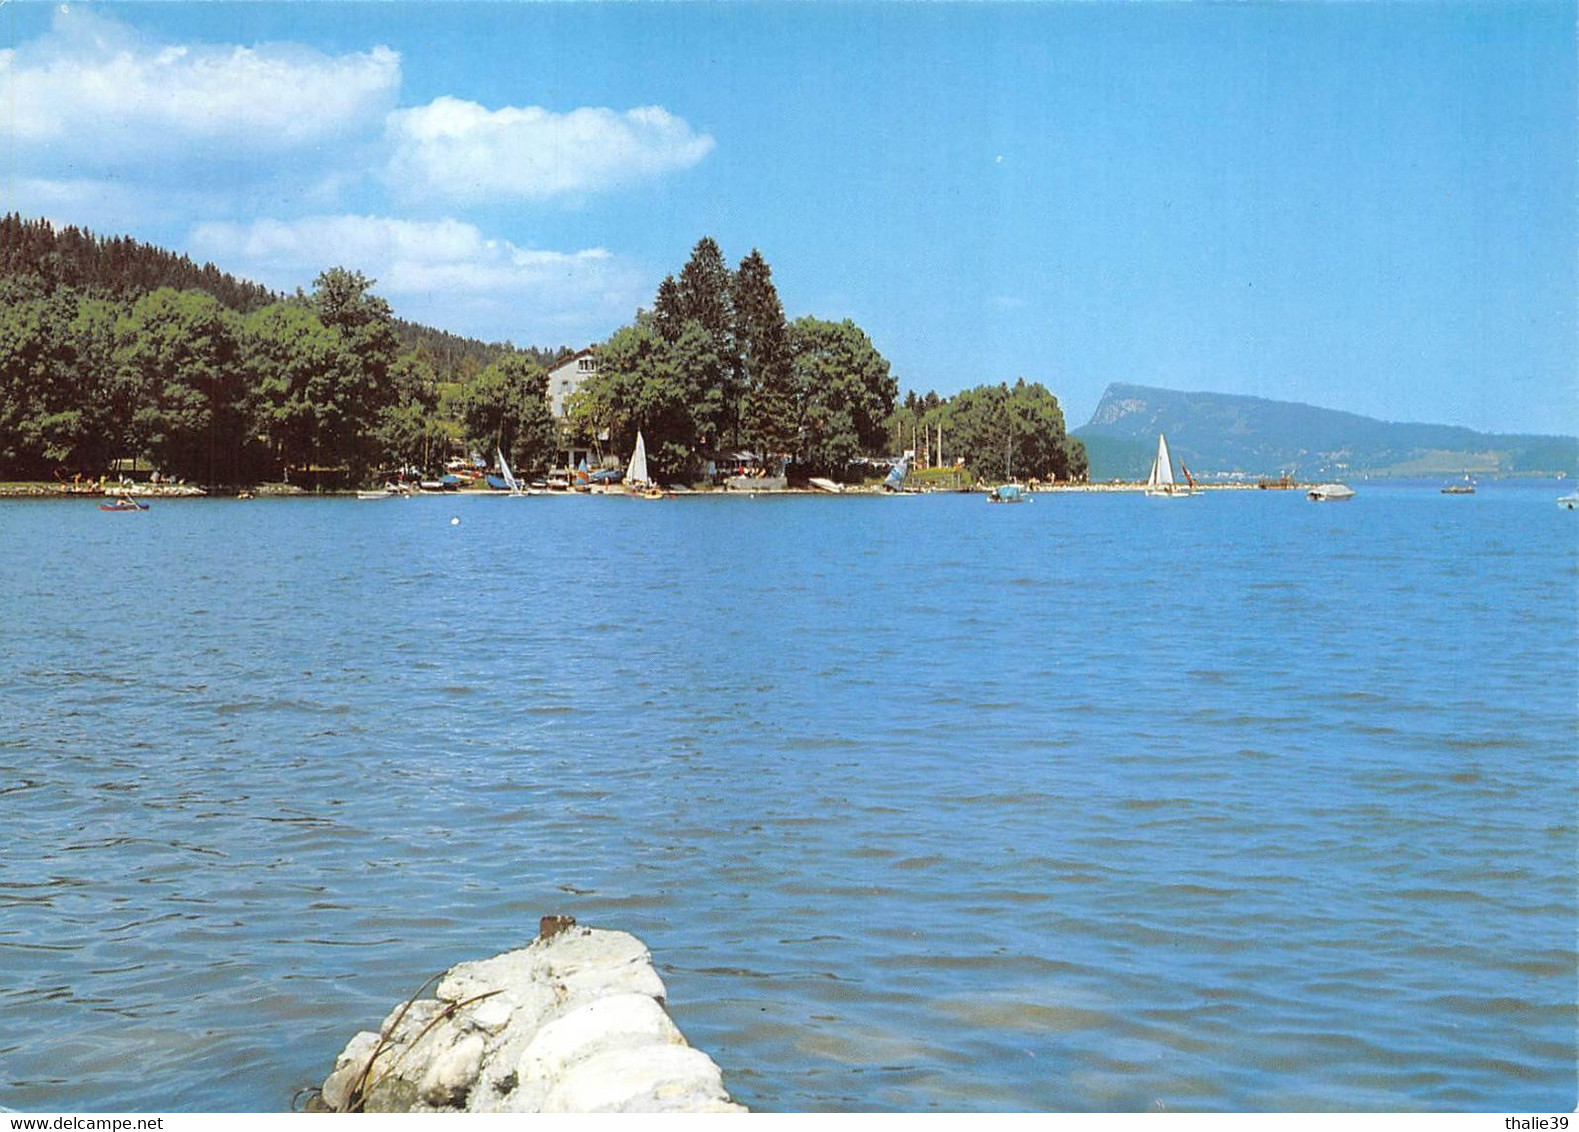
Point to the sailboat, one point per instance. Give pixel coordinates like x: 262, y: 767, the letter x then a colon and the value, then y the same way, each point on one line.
x: 636, y: 481
x: 1160, y: 481
x: 512, y: 485
x: 895, y: 481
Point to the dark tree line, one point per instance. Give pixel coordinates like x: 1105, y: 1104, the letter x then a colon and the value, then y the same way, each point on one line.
x: 114, y: 266
x: 111, y: 349
x: 198, y: 391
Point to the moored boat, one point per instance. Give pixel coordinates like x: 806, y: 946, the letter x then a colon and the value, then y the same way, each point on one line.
x: 1008, y: 493
x: 636, y: 481
x: 1330, y: 492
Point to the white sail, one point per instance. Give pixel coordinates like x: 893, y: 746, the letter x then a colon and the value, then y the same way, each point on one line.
x: 1161, y: 477
x: 636, y: 472
x: 505, y: 473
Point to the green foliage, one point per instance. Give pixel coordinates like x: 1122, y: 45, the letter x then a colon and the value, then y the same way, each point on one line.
x: 1003, y: 432
x: 44, y: 407
x: 714, y: 366
x: 769, y: 418
x: 672, y: 392
x: 704, y: 295
x: 116, y: 267
x: 506, y: 409
x: 110, y: 348
x: 176, y: 353
x: 846, y: 394
x: 293, y: 361
x: 409, y: 434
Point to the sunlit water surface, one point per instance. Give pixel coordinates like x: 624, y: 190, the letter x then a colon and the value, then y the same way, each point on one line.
x: 1239, y: 802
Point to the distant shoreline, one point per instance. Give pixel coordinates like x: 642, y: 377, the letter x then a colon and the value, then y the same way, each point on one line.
x: 44, y: 490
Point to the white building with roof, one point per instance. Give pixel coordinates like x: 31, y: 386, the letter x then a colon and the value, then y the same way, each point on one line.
x: 566, y: 377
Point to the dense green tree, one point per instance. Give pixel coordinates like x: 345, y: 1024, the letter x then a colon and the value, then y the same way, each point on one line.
x: 1017, y: 431
x: 845, y: 390
x: 714, y: 365
x: 667, y: 317
x: 705, y: 294
x: 409, y: 431
x: 363, y: 326
x: 177, y: 351
x: 294, y: 364
x: 98, y: 395
x: 36, y: 426
x: 672, y: 392
x: 506, y: 409
x: 769, y: 419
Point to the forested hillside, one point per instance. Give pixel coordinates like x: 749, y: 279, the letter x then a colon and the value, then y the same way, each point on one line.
x: 111, y: 349
x: 113, y: 267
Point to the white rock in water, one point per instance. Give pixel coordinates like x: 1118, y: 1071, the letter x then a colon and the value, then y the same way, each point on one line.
x: 571, y: 1023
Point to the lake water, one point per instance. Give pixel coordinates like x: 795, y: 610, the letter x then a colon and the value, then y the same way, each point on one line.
x: 1239, y: 802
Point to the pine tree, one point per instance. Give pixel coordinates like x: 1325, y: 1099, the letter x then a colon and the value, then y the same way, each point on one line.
x: 666, y: 315
x: 704, y: 294
x: 768, y: 418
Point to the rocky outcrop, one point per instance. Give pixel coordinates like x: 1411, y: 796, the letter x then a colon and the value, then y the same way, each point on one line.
x: 573, y: 1022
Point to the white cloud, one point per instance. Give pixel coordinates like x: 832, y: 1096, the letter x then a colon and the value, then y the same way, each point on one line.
x: 97, y: 204
x: 94, y: 91
x: 445, y: 273
x: 461, y: 151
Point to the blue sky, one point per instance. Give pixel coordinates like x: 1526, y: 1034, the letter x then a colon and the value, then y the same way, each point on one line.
x: 1368, y: 207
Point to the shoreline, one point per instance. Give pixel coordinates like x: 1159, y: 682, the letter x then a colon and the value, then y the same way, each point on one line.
x: 45, y: 490
x: 26, y: 490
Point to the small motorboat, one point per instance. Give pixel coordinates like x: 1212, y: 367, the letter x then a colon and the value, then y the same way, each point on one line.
x: 1330, y: 492
x: 1569, y: 502
x: 1008, y: 493
x: 124, y: 503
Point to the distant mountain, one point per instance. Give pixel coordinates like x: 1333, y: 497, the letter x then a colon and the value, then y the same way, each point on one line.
x: 1220, y: 434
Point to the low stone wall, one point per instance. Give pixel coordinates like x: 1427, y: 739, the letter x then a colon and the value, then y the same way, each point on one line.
x: 573, y: 1022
